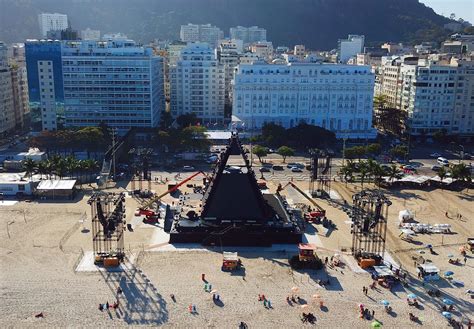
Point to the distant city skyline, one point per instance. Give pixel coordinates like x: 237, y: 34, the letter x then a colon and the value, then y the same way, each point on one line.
x: 462, y: 8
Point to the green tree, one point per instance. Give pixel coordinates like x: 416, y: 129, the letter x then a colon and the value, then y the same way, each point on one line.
x: 273, y: 135
x: 394, y: 173
x: 285, y: 151
x: 400, y: 151
x: 166, y: 120
x: 260, y: 152
x: 462, y: 172
x: 374, y: 149
x: 195, y: 138
x: 29, y: 166
x: 442, y: 174
x: 187, y: 119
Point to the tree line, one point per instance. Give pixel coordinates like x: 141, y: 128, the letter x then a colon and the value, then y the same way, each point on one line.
x: 59, y: 167
x: 371, y: 170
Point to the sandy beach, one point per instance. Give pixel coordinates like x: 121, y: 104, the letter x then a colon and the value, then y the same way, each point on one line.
x: 41, y: 245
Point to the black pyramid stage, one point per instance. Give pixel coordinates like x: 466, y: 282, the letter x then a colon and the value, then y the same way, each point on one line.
x: 233, y: 210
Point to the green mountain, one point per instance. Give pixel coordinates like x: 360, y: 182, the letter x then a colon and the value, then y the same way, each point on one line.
x: 316, y: 23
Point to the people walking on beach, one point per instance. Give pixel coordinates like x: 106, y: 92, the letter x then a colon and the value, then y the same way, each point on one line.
x: 107, y: 305
x: 326, y: 261
x: 465, y: 260
x: 373, y: 313
x: 119, y: 291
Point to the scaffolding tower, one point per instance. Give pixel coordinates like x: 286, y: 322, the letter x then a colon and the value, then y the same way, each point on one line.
x: 369, y: 223
x: 108, y: 214
x: 320, y: 173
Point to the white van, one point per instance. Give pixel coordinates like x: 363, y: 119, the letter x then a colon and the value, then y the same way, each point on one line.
x: 443, y: 161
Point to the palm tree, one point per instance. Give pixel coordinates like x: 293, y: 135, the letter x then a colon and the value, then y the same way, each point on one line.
x: 29, y: 165
x: 393, y: 172
x: 72, y: 164
x: 363, y: 170
x: 372, y: 165
x: 378, y: 172
x: 43, y: 167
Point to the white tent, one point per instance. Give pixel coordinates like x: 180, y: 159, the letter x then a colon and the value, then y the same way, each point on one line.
x: 405, y: 216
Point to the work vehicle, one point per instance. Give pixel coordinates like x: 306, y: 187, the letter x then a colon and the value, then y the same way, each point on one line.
x: 306, y: 258
x: 231, y: 261
x: 313, y: 215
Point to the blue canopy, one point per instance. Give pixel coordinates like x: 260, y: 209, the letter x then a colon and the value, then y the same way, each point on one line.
x: 412, y: 296
x: 448, y: 301
x: 449, y: 273
x: 385, y: 302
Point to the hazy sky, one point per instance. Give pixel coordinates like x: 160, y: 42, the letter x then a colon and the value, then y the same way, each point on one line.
x: 462, y: 8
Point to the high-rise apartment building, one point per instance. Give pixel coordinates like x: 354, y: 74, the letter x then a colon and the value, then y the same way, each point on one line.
x: 336, y: 97
x: 20, y: 95
x: 248, y: 34
x: 52, y: 22
x: 201, y: 33
x: 299, y: 51
x: 350, y: 47
x: 228, y: 55
x: 36, y: 51
x: 47, y: 95
x: 436, y: 94
x: 116, y: 82
x: 198, y: 84
x: 7, y: 109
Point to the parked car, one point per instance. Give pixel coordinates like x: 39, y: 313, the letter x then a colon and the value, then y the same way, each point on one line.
x: 435, y: 155
x: 442, y: 161
x: 276, y: 167
x: 295, y: 164
x: 296, y: 169
x: 188, y: 168
x: 409, y: 167
x: 435, y: 168
x: 264, y: 169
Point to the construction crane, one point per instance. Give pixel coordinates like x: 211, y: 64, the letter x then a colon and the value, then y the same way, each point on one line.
x: 143, y: 210
x: 319, y: 213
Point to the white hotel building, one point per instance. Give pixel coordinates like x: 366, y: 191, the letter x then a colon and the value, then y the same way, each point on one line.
x: 336, y: 97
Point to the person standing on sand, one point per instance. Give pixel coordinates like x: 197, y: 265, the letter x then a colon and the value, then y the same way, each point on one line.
x: 465, y: 260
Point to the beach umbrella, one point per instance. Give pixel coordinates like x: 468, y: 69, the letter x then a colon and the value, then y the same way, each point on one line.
x: 412, y: 296
x: 429, y: 246
x: 213, y: 291
x: 450, y: 255
x: 447, y: 315
x: 448, y: 273
x: 385, y: 302
x: 294, y: 289
x: 376, y: 324
x: 304, y: 306
x: 448, y: 301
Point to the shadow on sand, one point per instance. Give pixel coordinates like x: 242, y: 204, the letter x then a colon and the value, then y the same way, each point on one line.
x: 140, y: 302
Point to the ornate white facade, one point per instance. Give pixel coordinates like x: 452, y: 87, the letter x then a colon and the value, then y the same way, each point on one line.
x: 336, y: 97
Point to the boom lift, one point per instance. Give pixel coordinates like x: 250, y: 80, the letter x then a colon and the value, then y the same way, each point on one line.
x: 144, y: 209
x: 318, y: 212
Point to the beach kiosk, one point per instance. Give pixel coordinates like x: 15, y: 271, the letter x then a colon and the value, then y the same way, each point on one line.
x: 428, y: 272
x: 384, y: 276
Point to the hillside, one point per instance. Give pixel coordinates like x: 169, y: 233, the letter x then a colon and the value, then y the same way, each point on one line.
x: 316, y: 23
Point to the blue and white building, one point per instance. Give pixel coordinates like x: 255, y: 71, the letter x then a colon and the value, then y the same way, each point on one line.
x: 336, y: 97
x: 117, y: 82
